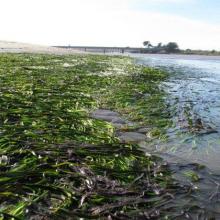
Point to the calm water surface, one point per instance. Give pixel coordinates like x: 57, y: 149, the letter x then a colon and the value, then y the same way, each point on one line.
x: 194, y: 103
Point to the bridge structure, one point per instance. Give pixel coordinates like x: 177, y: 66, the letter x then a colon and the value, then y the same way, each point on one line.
x: 104, y: 49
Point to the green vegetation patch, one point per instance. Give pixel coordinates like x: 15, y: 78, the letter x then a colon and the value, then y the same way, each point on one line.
x: 56, y: 162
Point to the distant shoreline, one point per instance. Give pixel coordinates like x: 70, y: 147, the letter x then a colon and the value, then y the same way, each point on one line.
x: 141, y: 50
x: 16, y: 47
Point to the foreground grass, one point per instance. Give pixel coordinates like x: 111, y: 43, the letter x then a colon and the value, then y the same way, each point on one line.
x: 58, y: 163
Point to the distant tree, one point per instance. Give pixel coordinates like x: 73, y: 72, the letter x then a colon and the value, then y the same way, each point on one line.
x: 150, y: 45
x: 188, y: 51
x: 146, y: 43
x: 159, y: 45
x: 172, y: 47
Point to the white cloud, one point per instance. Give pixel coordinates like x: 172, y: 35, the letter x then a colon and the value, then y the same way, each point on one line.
x: 99, y: 22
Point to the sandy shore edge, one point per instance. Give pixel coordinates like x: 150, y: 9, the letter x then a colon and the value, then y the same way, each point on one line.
x: 16, y: 47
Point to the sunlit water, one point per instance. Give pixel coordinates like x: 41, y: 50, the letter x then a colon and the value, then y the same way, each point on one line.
x: 193, y: 96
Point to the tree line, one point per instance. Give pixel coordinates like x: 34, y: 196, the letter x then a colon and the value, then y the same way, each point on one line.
x: 171, y: 47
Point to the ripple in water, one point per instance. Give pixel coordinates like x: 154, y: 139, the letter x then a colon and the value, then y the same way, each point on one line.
x: 194, y: 98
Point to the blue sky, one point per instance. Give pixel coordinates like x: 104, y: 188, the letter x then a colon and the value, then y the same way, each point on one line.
x: 191, y: 23
x: 204, y: 10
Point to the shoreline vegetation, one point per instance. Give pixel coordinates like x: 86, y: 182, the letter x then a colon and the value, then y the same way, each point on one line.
x: 173, y: 48
x: 57, y: 162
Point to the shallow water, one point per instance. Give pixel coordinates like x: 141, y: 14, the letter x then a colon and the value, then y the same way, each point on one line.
x: 193, y: 98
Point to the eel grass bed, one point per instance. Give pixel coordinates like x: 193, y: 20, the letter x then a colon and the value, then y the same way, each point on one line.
x: 56, y: 162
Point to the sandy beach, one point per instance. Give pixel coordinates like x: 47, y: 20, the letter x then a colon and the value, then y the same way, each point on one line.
x: 17, y: 47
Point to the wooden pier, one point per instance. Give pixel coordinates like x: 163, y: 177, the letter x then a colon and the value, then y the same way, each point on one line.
x: 105, y: 49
